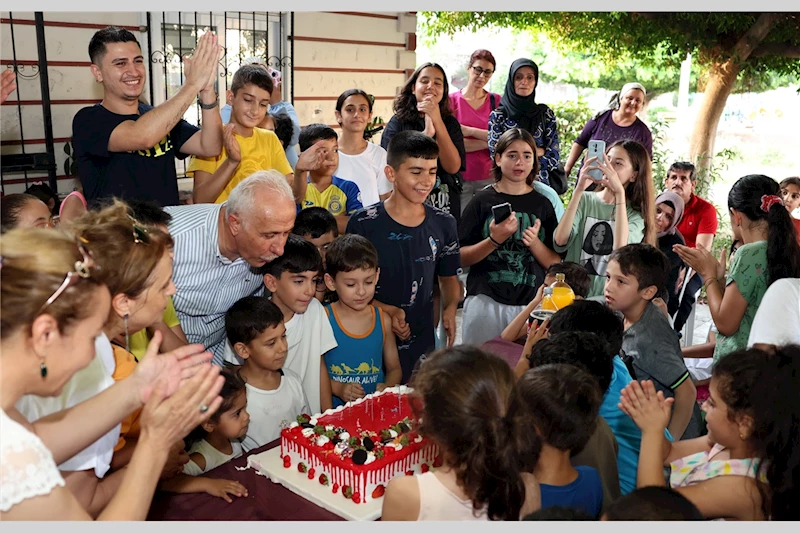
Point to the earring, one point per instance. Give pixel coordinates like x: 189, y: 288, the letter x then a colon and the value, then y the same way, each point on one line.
x: 741, y: 436
x: 43, y: 370
x: 127, y: 336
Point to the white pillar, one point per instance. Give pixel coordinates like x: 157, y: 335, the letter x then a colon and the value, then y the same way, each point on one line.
x: 683, y: 87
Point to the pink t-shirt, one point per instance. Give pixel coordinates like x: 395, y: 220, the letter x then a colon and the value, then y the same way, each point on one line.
x: 478, y: 163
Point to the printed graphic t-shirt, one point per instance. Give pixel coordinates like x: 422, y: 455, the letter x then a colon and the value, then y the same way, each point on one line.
x: 342, y: 197
x: 591, y: 240
x: 411, y: 259
x: 509, y: 275
x: 141, y: 174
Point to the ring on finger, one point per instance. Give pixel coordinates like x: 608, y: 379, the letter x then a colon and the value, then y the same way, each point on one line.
x: 204, y: 408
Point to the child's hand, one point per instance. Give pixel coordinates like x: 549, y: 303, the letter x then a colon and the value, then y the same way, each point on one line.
x: 352, y: 391
x: 501, y: 232
x: 702, y: 261
x: 584, y: 179
x: 399, y: 325
x: 222, y: 487
x: 175, y: 460
x: 536, y: 334
x: 430, y: 129
x: 232, y: 149
x: 430, y: 108
x: 610, y: 178
x: 647, y: 408
x: 313, y: 158
x: 531, y: 235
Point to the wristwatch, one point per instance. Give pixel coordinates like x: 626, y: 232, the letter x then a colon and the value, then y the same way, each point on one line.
x: 208, y: 106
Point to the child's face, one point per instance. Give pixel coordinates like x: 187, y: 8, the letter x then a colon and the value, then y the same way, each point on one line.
x: 414, y: 178
x: 268, y: 350
x: 622, y: 291
x: 429, y: 85
x: 355, y: 114
x: 516, y: 162
x: 233, y: 423
x: 720, y: 427
x: 249, y: 105
x: 621, y: 162
x: 34, y: 214
x: 664, y: 217
x: 791, y: 197
x: 331, y: 162
x: 321, y: 242
x: 355, y: 288
x: 294, y: 291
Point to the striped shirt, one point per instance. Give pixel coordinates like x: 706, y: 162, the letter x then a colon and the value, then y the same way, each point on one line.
x: 207, y: 282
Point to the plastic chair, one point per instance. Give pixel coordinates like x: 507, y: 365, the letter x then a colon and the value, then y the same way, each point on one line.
x: 688, y: 329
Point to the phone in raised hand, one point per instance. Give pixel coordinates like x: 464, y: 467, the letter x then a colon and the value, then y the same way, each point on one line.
x: 501, y: 212
x: 597, y: 149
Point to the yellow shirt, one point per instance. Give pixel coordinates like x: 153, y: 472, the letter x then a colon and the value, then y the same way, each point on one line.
x: 142, y: 338
x: 126, y: 364
x: 260, y: 151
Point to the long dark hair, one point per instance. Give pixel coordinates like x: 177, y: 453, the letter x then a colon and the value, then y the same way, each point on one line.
x: 461, y: 395
x: 405, y: 105
x: 232, y: 387
x: 750, y: 195
x: 776, y: 417
x: 641, y: 192
x: 506, y: 140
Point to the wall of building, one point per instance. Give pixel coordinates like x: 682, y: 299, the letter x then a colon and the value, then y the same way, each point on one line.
x: 336, y: 51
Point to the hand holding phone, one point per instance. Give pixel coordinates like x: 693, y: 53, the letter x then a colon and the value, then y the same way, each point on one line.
x: 501, y: 212
x: 597, y: 149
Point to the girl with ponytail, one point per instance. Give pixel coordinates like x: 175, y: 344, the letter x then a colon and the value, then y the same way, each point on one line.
x: 461, y: 398
x: 769, y: 252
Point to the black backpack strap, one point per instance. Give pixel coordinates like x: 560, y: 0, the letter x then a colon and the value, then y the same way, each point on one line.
x: 492, y: 101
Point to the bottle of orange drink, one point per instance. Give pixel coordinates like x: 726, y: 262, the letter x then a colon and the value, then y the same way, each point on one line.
x: 562, y: 293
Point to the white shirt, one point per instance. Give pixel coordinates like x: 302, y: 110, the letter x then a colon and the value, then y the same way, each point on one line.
x: 27, y: 468
x: 368, y: 171
x: 777, y: 320
x: 269, y: 409
x: 213, y: 457
x: 84, y: 384
x: 309, y: 336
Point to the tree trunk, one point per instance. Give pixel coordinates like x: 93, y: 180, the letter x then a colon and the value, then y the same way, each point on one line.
x: 722, y: 76
x: 721, y: 80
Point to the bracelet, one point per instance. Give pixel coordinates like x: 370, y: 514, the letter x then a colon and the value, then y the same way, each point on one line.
x: 207, y: 106
x: 707, y: 283
x: 495, y: 243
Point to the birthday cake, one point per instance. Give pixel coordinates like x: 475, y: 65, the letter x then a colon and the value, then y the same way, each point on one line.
x: 357, y: 448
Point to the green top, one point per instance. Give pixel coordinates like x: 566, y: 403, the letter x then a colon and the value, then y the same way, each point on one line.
x: 749, y: 272
x: 591, y: 240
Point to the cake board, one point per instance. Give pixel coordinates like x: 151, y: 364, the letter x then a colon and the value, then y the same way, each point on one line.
x: 271, y: 465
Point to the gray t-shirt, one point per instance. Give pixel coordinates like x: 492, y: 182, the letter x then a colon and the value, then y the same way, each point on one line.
x: 655, y: 352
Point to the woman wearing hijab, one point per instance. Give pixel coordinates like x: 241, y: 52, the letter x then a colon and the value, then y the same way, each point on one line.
x: 520, y: 110
x: 669, y: 212
x: 617, y: 121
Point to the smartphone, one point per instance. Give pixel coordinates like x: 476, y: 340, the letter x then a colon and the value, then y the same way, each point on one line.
x: 501, y: 212
x: 276, y: 74
x: 596, y: 149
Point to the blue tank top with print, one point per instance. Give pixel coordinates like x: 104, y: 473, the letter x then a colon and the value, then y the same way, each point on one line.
x: 356, y: 358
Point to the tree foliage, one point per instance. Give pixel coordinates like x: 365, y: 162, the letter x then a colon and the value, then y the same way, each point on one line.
x: 657, y: 39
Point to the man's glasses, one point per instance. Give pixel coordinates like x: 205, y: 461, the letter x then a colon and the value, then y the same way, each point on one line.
x: 482, y: 72
x: 81, y: 272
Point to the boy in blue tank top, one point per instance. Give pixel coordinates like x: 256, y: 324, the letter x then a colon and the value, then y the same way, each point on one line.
x: 365, y: 359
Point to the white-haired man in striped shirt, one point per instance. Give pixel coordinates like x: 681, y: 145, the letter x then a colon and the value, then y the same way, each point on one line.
x: 219, y: 249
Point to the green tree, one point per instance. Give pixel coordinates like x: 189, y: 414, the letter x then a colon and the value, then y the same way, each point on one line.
x: 748, y: 48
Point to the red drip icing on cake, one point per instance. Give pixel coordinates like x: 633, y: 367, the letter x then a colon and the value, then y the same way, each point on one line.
x: 386, y: 419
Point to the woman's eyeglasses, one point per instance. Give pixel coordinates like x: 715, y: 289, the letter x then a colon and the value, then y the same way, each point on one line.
x: 482, y: 72
x: 81, y: 272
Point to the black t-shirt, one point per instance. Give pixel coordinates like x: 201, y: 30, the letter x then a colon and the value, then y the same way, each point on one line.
x: 510, y: 274
x: 446, y: 193
x: 142, y: 174
x: 665, y: 244
x: 411, y: 260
